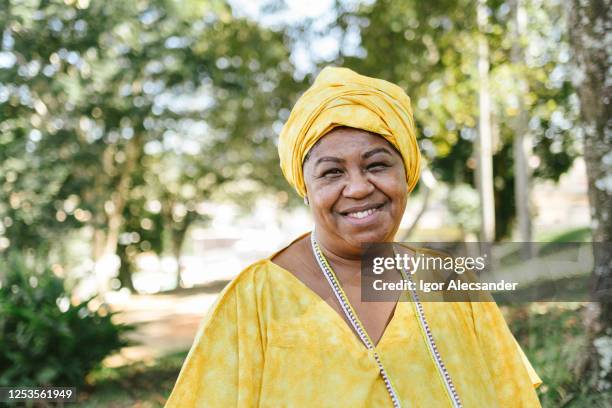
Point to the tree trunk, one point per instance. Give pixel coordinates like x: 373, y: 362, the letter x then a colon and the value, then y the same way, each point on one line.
x: 125, y: 268
x: 178, y: 238
x: 106, y: 241
x: 522, y: 139
x: 484, y: 170
x: 428, y: 182
x: 179, y: 233
x: 589, y: 25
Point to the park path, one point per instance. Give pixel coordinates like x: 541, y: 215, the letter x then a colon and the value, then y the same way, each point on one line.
x: 165, y: 322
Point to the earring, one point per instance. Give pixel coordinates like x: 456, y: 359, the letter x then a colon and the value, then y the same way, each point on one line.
x: 305, y: 200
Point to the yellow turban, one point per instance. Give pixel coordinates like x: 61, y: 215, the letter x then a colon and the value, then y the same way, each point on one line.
x: 341, y: 97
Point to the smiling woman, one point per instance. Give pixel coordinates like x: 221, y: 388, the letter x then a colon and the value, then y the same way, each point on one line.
x: 356, y: 186
x: 292, y: 329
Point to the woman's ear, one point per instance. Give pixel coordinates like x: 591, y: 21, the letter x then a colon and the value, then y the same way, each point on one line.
x: 306, y: 200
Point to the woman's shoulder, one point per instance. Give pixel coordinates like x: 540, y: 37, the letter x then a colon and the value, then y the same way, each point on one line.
x: 240, y: 296
x: 248, y: 279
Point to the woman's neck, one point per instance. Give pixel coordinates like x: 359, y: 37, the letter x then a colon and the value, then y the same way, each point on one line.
x: 346, y: 264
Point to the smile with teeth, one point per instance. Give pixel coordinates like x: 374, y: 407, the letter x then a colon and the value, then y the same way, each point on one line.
x: 362, y: 214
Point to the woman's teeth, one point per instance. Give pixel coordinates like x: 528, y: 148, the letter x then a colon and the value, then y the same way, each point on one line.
x: 362, y: 214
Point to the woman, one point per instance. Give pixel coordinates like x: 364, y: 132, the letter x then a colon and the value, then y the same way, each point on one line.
x: 291, y: 330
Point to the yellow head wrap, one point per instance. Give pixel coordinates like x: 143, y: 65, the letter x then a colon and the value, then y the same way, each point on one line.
x: 341, y: 97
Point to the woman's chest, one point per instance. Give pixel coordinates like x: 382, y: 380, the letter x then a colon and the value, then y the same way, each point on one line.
x: 318, y: 352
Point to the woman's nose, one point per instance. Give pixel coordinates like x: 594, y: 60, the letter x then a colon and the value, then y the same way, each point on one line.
x: 358, y: 186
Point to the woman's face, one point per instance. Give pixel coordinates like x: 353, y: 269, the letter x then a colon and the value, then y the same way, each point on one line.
x: 356, y: 188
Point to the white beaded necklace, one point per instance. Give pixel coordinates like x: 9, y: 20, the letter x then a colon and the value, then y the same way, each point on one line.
x: 351, y: 316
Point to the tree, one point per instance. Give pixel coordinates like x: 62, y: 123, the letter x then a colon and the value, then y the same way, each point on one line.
x: 484, y: 158
x: 588, y: 24
x: 523, y: 142
x: 432, y: 49
x: 93, y: 92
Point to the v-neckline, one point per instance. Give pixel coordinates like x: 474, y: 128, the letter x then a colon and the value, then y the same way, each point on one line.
x: 337, y: 316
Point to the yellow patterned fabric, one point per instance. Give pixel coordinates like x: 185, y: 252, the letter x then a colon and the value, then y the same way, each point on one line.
x: 341, y: 97
x: 270, y: 341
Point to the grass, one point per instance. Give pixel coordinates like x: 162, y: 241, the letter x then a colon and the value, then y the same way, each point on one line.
x: 552, y: 336
x: 145, y: 385
x: 580, y: 234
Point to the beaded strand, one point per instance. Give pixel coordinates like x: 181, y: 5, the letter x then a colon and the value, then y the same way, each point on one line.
x: 349, y: 312
x: 329, y: 274
x: 431, y: 343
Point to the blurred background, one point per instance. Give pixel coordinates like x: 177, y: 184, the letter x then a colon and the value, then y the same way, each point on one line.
x: 139, y: 172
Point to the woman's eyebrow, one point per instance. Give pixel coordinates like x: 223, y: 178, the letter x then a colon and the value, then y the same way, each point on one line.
x: 329, y: 159
x: 365, y: 155
x: 374, y: 151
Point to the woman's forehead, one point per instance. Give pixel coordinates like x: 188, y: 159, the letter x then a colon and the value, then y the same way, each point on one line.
x: 344, y: 141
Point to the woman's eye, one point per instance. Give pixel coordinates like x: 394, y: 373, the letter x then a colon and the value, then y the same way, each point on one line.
x: 331, y: 173
x: 378, y: 166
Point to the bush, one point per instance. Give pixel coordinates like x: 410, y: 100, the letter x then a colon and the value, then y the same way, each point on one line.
x: 45, y: 339
x: 552, y: 336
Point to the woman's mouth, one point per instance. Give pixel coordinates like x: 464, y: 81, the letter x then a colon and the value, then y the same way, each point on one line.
x: 363, y: 215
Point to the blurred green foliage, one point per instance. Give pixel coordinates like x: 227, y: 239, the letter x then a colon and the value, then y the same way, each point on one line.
x: 145, y: 383
x: 120, y: 119
x: 46, y: 340
x: 430, y: 50
x: 463, y: 203
x: 553, y: 338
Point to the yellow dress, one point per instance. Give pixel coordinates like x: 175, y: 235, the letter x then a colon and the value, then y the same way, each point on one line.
x: 270, y: 341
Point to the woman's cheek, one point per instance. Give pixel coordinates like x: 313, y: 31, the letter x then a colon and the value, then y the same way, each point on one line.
x: 330, y: 193
x: 325, y: 199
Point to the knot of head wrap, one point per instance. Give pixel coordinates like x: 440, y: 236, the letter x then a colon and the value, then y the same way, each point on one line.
x: 341, y: 97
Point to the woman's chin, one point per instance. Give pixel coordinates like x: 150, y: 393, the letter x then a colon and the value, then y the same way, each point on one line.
x: 367, y: 232
x: 369, y: 237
